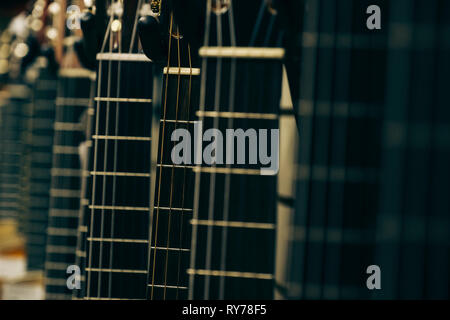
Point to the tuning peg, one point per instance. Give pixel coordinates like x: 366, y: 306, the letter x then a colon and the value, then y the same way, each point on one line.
x: 150, y: 36
x: 93, y: 27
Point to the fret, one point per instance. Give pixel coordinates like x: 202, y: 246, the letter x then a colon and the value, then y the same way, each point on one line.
x: 237, y: 115
x: 62, y: 172
x: 65, y: 150
x: 128, y: 57
x: 234, y: 171
x: 234, y: 224
x: 66, y: 126
x: 170, y: 249
x: 121, y: 174
x: 116, y: 270
x: 117, y: 240
x: 167, y: 286
x: 119, y: 208
x: 64, y: 213
x: 178, y: 121
x: 231, y: 274
x: 72, y: 102
x: 242, y: 52
x: 173, y: 209
x: 77, y: 73
x: 10, y: 195
x: 124, y: 138
x: 64, y: 193
x: 56, y: 266
x: 55, y: 282
x: 181, y: 71
x: 177, y: 166
x: 63, y: 232
x: 19, y: 90
x: 112, y: 99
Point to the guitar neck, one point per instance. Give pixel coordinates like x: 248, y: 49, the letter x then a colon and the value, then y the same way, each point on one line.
x: 169, y: 248
x: 117, y: 240
x: 73, y: 100
x: 40, y: 163
x: 233, y: 235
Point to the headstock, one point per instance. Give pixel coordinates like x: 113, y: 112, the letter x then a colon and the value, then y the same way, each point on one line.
x: 216, y: 22
x: 38, y: 31
x: 93, y: 23
x: 161, y: 35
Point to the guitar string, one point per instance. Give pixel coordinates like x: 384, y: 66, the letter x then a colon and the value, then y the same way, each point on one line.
x: 105, y: 164
x: 212, y: 177
x: 161, y: 157
x: 182, y: 214
x: 173, y: 165
x: 117, y: 124
x: 114, y: 178
x: 226, y: 208
x: 93, y: 194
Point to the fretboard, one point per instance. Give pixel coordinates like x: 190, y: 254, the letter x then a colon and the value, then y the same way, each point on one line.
x: 233, y: 240
x: 118, y: 222
x: 40, y: 145
x: 75, y: 89
x: 13, y: 119
x: 169, y: 249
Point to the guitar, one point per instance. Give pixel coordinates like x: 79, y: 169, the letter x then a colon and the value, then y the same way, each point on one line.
x: 118, y: 220
x: 177, y: 77
x: 18, y: 50
x: 42, y: 74
x: 75, y: 93
x: 234, y: 214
